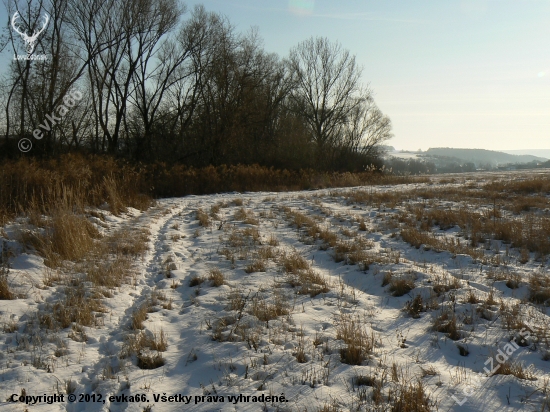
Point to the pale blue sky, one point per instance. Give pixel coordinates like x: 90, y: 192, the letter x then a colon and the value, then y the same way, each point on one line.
x: 457, y: 73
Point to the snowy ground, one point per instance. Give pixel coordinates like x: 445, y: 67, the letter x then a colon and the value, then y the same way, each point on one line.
x: 272, y: 333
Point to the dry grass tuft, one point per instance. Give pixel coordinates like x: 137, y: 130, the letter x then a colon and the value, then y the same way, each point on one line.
x: 139, y: 316
x: 128, y: 242
x: 446, y: 323
x: 196, y: 281
x: 68, y: 236
x: 415, y: 306
x: 216, y: 277
x: 311, y: 282
x: 110, y: 273
x: 539, y: 288
x: 359, y: 343
x: 159, y: 341
x: 293, y: 262
x: 203, y: 218
x: 246, y: 216
x: 5, y: 291
x: 265, y: 310
x: 273, y: 241
x: 77, y: 306
x: 516, y: 369
x: 237, y: 301
x: 399, y: 286
x: 444, y: 283
x: 259, y: 265
x: 150, y: 361
x: 411, y: 397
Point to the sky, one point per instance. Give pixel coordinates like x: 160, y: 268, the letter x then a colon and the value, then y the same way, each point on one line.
x: 449, y: 73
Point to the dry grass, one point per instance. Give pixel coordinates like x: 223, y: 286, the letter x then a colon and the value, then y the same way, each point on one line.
x: 139, y: 316
x: 159, y: 341
x: 77, y: 306
x: 415, y: 306
x: 5, y: 291
x: 203, y: 218
x: 411, y: 397
x: 539, y: 288
x: 445, y: 322
x: 529, y: 232
x: 237, y: 301
x: 196, y: 281
x: 311, y: 282
x: 67, y: 236
x: 266, y: 310
x: 444, y: 283
x: 516, y: 369
x: 241, y: 238
x: 359, y: 343
x: 293, y: 262
x: 88, y: 180
x: 273, y: 241
x: 352, y: 251
x: 238, y: 201
x: 149, y: 360
x: 259, y: 265
x: 127, y: 242
x: 111, y: 273
x: 400, y: 287
x: 216, y: 277
x: 246, y: 216
x: 50, y: 277
x: 267, y: 252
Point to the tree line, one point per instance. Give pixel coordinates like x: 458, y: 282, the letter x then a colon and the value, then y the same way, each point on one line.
x: 159, y: 82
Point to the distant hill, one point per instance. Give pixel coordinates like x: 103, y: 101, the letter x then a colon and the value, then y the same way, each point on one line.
x: 533, y: 152
x: 481, y: 157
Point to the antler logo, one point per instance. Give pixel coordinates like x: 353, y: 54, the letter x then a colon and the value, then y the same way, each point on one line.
x: 30, y: 41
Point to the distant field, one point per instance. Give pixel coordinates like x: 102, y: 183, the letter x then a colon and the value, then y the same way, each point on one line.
x: 414, y: 297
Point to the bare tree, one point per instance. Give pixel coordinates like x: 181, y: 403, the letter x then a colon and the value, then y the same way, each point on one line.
x: 159, y: 67
x: 326, y: 83
x: 367, y: 127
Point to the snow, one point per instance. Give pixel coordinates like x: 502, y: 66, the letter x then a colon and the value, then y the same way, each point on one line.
x: 196, y: 365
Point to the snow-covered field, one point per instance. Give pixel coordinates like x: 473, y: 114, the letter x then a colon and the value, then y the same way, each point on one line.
x: 280, y: 294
